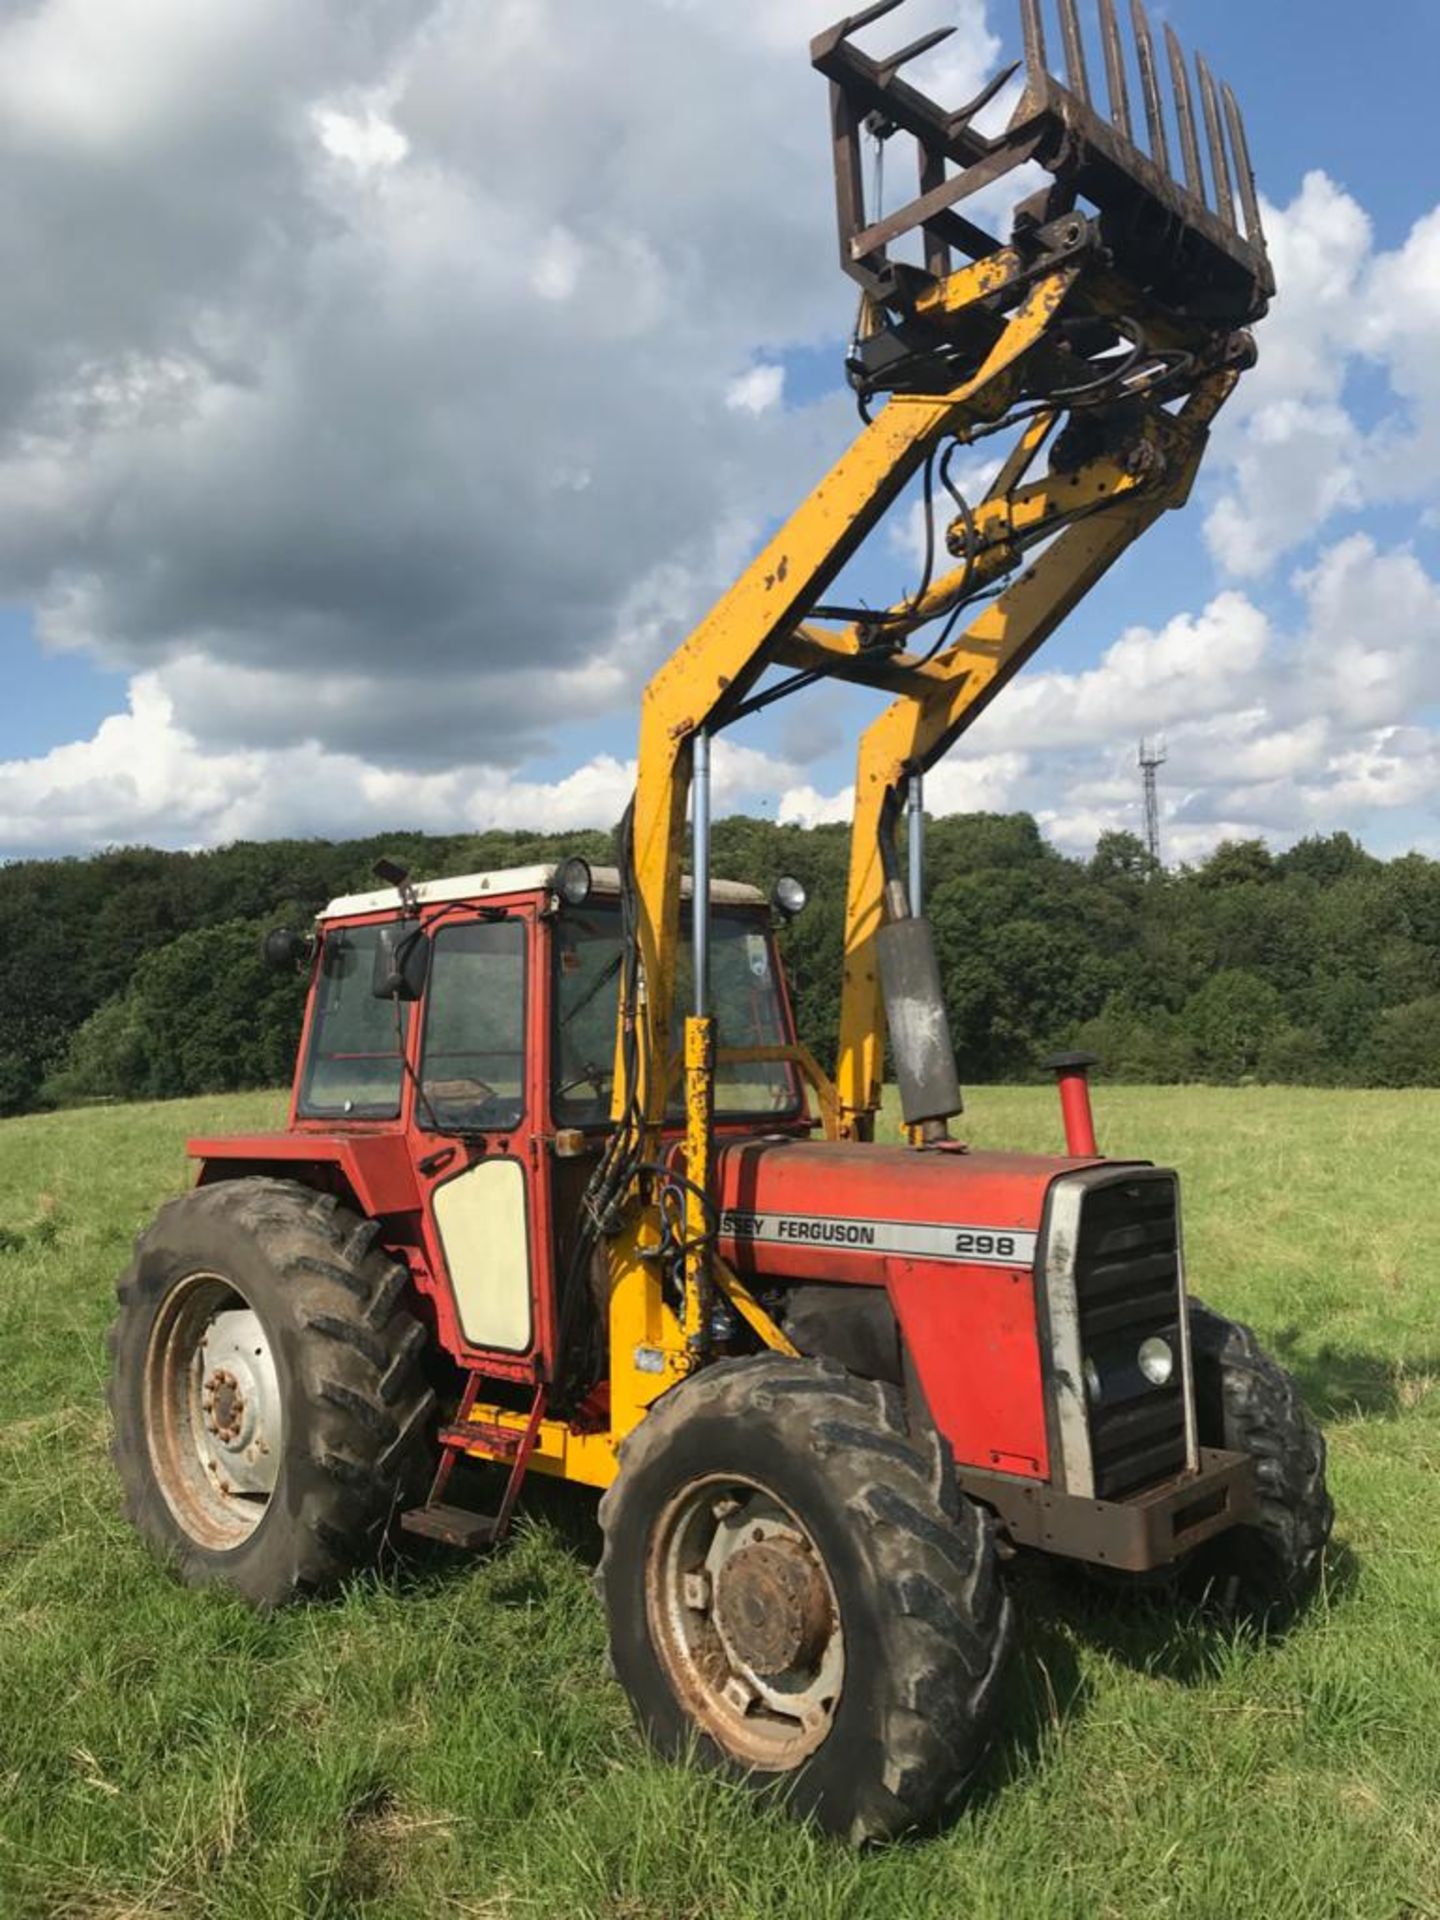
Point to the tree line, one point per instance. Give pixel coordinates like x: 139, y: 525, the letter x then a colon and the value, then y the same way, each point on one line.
x: 136, y: 974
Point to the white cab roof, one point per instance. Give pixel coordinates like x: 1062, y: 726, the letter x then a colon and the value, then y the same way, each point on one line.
x: 508, y: 880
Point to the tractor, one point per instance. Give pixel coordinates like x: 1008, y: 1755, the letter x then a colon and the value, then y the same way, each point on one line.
x: 563, y: 1193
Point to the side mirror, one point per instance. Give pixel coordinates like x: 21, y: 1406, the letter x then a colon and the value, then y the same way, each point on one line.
x: 402, y: 960
x: 284, y: 949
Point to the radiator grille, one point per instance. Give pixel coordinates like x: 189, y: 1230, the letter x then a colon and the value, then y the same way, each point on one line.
x: 1127, y: 1287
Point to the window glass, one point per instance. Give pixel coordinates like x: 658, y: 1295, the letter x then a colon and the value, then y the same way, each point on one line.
x: 473, y: 1065
x: 745, y: 997
x: 354, y: 1067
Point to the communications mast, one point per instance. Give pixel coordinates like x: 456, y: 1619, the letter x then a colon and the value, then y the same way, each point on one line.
x: 1151, y: 759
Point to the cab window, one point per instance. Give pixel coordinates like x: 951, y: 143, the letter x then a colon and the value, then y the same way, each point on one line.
x: 745, y: 991
x: 354, y: 1067
x: 472, y: 1067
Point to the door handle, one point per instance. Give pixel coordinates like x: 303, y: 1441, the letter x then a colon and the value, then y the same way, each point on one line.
x: 433, y: 1162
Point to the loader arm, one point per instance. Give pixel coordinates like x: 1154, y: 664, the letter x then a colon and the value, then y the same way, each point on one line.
x: 944, y: 700
x: 717, y: 666
x: 1105, y: 333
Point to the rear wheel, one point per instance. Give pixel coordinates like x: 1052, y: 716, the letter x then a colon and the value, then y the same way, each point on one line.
x: 796, y: 1590
x: 266, y: 1390
x: 1247, y: 1402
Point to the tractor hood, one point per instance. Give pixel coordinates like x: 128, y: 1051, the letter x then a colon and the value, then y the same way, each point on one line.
x: 821, y: 1210
x: 952, y: 1238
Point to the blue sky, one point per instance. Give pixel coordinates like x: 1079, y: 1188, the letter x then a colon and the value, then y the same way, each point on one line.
x: 358, y: 465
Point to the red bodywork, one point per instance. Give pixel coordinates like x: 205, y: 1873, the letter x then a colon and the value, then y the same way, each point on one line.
x: 949, y: 1234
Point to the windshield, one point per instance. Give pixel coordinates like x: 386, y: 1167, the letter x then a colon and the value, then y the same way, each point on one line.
x: 354, y: 1065
x: 745, y: 997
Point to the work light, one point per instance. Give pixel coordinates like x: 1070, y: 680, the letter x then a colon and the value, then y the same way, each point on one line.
x: 573, y: 881
x: 787, y: 896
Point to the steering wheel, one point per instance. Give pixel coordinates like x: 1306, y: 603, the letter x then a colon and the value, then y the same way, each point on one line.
x: 592, y: 1076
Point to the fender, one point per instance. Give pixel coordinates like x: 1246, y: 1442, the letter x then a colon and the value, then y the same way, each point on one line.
x: 373, y: 1168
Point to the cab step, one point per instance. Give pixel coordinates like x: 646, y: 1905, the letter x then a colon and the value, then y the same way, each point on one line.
x: 504, y: 1442
x: 455, y: 1526
x: 460, y: 1526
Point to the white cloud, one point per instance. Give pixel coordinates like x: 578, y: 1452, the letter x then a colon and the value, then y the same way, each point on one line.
x: 365, y: 140
x: 143, y: 777
x: 757, y: 390
x: 1297, y: 455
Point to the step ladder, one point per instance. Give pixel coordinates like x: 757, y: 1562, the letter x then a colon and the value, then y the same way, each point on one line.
x: 459, y: 1526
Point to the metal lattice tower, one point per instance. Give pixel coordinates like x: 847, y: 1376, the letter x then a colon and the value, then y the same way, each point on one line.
x: 1151, y: 758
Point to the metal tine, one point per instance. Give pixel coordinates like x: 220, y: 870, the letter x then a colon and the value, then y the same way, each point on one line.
x: 866, y: 15
x: 1219, y: 168
x: 1115, y: 68
x: 1034, y: 35
x: 1189, y: 145
x: 1244, y: 178
x: 1150, y: 87
x: 891, y: 66
x: 1076, y: 77
x: 962, y: 116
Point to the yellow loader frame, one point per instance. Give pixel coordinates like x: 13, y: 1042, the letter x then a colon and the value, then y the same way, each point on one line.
x: 1021, y: 339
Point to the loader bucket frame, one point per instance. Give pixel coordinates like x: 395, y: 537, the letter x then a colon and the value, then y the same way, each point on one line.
x: 1190, y: 245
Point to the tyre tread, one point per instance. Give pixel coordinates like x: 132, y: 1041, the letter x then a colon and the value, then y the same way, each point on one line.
x: 361, y: 1403
x: 930, y: 1553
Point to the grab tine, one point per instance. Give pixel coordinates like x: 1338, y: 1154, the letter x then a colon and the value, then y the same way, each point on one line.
x: 1215, y: 138
x: 1076, y: 77
x: 1189, y: 145
x: 1150, y: 87
x: 1244, y: 178
x: 867, y: 15
x: 889, y: 68
x: 1034, y: 35
x: 1115, y: 68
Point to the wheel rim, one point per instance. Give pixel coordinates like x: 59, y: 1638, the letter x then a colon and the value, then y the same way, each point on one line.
x: 213, y: 1416
x: 744, y: 1618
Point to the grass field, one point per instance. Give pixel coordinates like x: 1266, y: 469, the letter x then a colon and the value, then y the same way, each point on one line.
x: 443, y: 1741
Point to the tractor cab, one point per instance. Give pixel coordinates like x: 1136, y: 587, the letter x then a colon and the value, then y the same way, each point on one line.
x: 455, y: 1079
x: 484, y: 1006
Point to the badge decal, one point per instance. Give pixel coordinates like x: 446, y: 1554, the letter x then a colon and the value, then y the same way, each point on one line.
x: 921, y: 1240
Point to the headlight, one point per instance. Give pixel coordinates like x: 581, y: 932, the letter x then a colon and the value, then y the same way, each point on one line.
x: 1157, y: 1360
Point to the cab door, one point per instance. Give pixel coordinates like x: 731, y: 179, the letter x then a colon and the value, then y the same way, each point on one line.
x: 475, y: 1132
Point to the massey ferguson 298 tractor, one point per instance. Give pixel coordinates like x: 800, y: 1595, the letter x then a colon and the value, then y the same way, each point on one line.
x: 562, y: 1191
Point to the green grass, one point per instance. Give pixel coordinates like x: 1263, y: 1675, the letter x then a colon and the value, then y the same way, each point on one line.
x: 443, y: 1741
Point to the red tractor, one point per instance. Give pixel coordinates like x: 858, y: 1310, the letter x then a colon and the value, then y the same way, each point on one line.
x: 529, y: 1212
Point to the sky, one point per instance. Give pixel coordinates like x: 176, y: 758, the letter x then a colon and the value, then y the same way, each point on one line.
x: 387, y: 386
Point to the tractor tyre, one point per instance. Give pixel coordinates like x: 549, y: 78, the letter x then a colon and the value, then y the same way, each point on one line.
x: 269, y: 1405
x: 1261, y: 1575
x: 801, y: 1597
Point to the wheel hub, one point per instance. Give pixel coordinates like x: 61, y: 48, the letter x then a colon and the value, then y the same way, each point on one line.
x: 228, y: 1414
x: 771, y: 1607
x: 214, y: 1413
x: 238, y: 1423
x: 745, y: 1621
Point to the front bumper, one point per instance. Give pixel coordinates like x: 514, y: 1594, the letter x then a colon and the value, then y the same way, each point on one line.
x: 1152, y: 1528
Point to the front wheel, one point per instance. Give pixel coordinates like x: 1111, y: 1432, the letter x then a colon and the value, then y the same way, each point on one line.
x: 796, y: 1591
x: 1247, y: 1402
